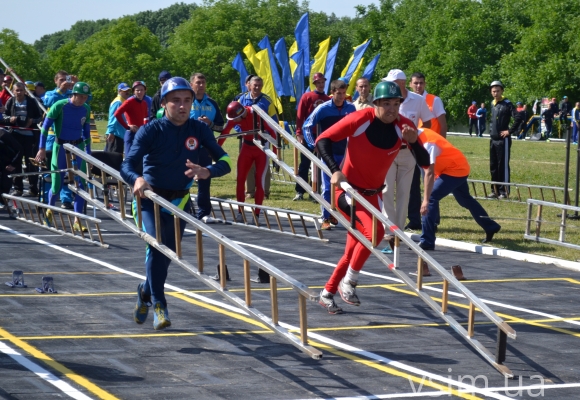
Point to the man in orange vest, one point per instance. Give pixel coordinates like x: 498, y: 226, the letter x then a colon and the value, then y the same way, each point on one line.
x: 439, y: 125
x: 447, y: 174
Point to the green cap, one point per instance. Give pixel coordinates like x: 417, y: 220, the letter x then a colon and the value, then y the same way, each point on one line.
x: 81, y: 88
x: 160, y: 113
x: 387, y: 90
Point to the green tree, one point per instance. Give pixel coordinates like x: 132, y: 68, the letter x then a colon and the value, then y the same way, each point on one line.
x: 545, y: 61
x: 122, y: 52
x: 21, y: 57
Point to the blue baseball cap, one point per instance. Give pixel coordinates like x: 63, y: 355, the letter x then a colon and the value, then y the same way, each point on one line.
x: 123, y: 86
x: 474, y: 102
x: 39, y: 83
x: 519, y: 103
x: 164, y: 75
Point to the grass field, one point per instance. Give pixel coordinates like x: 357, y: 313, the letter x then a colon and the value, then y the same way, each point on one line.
x: 537, y: 163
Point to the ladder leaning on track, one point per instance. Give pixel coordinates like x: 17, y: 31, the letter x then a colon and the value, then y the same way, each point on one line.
x: 40, y: 210
x: 304, y: 293
x: 503, y: 331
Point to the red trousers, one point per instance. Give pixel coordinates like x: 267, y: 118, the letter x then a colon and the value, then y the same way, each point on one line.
x: 355, y: 254
x: 248, y: 155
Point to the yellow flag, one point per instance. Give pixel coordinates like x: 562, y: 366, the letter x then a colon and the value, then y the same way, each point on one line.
x: 265, y: 72
x: 251, y: 54
x: 319, y: 64
x: 355, y: 76
x: 345, y: 70
x: 293, y: 49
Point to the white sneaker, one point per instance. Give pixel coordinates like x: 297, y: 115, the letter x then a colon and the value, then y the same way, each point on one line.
x: 240, y: 218
x: 347, y: 291
x: 209, y: 220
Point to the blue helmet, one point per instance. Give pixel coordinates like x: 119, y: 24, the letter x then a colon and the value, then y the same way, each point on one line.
x: 173, y: 84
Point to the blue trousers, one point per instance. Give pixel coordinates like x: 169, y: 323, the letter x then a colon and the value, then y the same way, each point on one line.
x: 156, y: 263
x: 444, y: 185
x: 574, y: 132
x: 66, y: 195
x: 326, y: 187
x: 203, y: 186
x: 128, y: 139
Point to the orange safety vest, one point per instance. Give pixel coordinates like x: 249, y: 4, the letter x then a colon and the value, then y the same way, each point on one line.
x: 451, y: 161
x: 430, y: 99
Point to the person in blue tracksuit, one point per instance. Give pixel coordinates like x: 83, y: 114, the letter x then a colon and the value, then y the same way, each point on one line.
x: 326, y: 115
x: 115, y: 134
x: 164, y: 158
x: 206, y: 110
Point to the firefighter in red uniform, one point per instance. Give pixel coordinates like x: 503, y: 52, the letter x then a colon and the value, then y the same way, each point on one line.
x: 241, y: 119
x: 375, y: 136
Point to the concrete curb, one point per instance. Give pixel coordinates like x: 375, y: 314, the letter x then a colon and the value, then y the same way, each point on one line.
x: 494, y: 251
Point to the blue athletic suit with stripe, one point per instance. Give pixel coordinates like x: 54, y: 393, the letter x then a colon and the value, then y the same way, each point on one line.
x: 160, y: 150
x: 326, y: 115
x: 208, y: 107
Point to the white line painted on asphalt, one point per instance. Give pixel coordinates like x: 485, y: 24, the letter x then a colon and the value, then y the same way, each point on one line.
x: 425, y: 287
x: 42, y: 373
x: 343, y: 346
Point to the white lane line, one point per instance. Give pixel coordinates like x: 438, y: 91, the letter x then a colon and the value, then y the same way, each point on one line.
x: 396, y: 364
x: 511, y: 392
x: 42, y: 373
x: 404, y: 367
x: 492, y: 302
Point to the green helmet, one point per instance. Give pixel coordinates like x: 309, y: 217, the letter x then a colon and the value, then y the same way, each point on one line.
x: 81, y: 88
x: 387, y: 90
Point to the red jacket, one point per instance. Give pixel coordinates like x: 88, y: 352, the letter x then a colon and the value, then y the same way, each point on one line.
x: 308, y: 103
x: 471, y: 111
x: 136, y: 111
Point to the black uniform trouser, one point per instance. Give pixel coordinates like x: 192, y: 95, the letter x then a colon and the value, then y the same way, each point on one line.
x: 473, y: 126
x: 415, y: 199
x: 28, y: 146
x: 500, y: 170
x: 303, y: 169
x: 116, y: 146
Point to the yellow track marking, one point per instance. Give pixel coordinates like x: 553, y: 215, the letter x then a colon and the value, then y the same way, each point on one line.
x: 393, y: 371
x: 39, y: 355
x: 368, y: 363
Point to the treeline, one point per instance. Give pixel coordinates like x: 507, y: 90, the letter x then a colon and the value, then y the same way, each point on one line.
x: 460, y: 45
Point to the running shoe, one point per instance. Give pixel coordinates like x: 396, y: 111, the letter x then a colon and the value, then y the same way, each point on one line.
x: 328, y: 303
x: 142, y: 307
x: 160, y: 317
x: 333, y: 220
x: 48, y: 219
x: 67, y: 205
x: 78, y: 227
x: 299, y: 196
x: 347, y: 290
x: 240, y: 218
x: 325, y: 226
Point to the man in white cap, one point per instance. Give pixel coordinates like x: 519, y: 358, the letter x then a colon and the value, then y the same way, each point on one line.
x: 415, y: 108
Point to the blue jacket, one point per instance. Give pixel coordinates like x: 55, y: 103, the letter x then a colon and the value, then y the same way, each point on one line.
x: 55, y: 95
x: 114, y: 126
x: 160, y: 150
x: 326, y: 115
x: 263, y: 101
x: 208, y: 107
x: 481, y: 113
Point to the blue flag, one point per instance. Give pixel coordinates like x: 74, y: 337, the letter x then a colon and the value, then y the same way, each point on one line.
x: 359, y: 52
x: 302, y: 35
x: 282, y: 57
x: 298, y: 57
x: 265, y: 44
x: 330, y: 59
x: 238, y: 65
x: 369, y: 71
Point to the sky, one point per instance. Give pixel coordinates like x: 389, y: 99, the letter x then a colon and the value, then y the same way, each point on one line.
x: 43, y: 17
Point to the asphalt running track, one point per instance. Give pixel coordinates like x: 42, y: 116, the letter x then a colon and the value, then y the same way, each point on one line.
x: 83, y: 343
